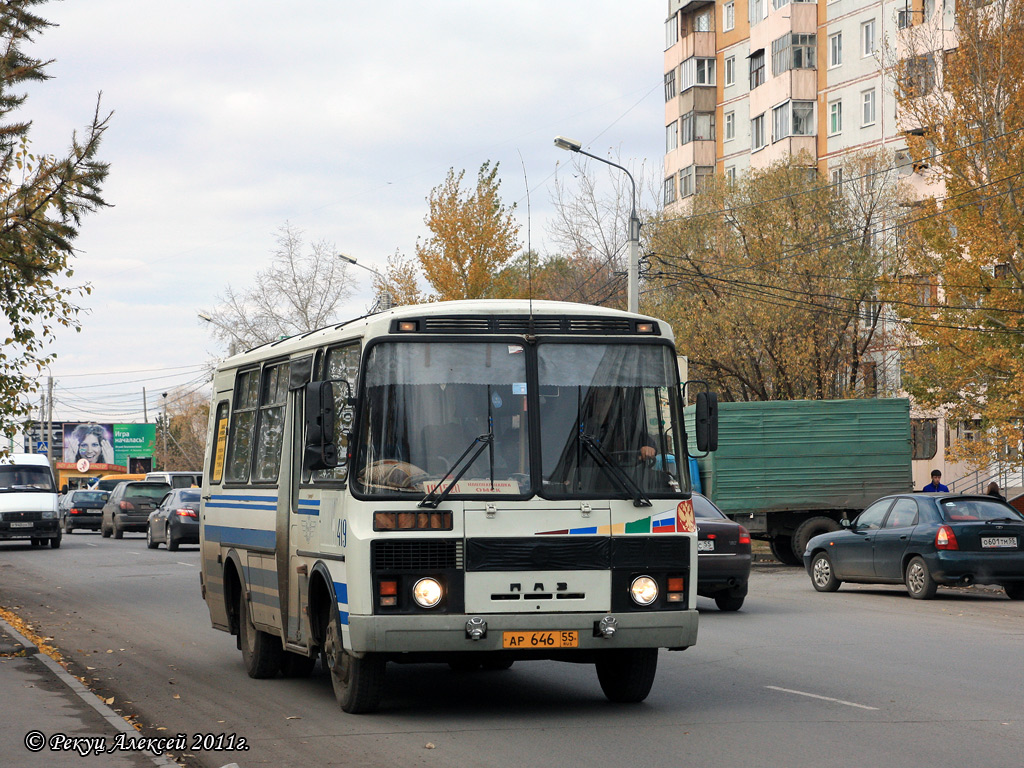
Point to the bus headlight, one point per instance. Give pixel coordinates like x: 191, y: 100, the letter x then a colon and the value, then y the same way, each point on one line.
x: 643, y: 590
x: 427, y: 593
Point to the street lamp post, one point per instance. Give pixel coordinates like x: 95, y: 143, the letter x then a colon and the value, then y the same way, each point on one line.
x: 384, y: 299
x: 633, y: 270
x: 236, y: 343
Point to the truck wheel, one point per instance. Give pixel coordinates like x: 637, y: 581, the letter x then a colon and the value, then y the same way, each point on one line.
x: 55, y: 541
x: 823, y: 575
x: 807, y: 530
x: 261, y: 651
x: 626, y: 676
x: 782, y: 549
x: 1014, y: 590
x: 358, y: 683
x: 919, y: 581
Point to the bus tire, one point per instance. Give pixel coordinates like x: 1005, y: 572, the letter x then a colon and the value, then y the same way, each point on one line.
x: 358, y: 682
x: 626, y: 676
x: 297, y: 665
x: 261, y: 651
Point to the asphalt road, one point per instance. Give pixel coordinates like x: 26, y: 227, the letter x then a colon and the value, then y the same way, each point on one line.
x: 862, y: 677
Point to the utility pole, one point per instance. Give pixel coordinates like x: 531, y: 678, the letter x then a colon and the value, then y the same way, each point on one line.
x: 49, y: 436
x: 145, y: 414
x: 164, y: 462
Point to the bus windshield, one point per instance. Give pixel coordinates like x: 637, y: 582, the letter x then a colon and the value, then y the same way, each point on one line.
x: 433, y: 409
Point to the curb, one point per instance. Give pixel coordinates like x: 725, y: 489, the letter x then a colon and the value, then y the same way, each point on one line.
x: 76, y: 687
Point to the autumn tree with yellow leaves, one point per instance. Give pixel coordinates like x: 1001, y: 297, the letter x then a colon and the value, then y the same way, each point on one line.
x: 961, y: 290
x: 770, y: 282
x: 473, y: 236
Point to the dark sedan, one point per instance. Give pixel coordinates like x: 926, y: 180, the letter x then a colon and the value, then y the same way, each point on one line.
x: 924, y: 541
x: 723, y: 556
x: 129, y: 505
x: 175, y: 521
x: 82, y: 509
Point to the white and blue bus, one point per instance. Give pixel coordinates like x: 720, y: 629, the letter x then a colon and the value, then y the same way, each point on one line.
x: 474, y: 482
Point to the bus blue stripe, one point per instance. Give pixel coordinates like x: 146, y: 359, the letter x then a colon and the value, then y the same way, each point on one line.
x: 240, y: 537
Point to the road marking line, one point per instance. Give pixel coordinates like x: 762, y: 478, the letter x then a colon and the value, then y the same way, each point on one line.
x: 190, y: 565
x: 823, y: 698
x: 90, y: 544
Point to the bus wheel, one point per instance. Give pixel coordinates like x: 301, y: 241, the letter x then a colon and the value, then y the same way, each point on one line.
x: 297, y: 665
x: 626, y: 676
x: 358, y: 683
x: 261, y: 651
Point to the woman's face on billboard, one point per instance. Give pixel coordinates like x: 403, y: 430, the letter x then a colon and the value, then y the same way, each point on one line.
x: 89, y: 448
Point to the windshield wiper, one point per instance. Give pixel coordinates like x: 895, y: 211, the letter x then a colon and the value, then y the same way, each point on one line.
x: 613, y: 471
x: 433, y: 498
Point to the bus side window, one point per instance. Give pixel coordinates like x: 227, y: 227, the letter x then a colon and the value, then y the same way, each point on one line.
x: 341, y: 364
x: 243, y: 425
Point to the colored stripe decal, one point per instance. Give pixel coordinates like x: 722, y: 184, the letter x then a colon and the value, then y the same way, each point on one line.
x: 240, y: 537
x: 341, y: 593
x: 583, y: 530
x: 308, y: 507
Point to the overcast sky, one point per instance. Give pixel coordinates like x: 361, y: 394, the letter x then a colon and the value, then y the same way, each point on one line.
x: 232, y: 117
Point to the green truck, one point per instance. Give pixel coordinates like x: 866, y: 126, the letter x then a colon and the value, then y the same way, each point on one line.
x: 791, y: 469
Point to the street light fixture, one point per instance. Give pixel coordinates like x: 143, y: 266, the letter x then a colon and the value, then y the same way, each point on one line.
x: 237, y: 344
x: 633, y: 270
x: 384, y: 300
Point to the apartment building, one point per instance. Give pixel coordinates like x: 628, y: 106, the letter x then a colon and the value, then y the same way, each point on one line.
x: 750, y: 82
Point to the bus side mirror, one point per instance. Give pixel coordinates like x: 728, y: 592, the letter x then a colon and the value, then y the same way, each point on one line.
x: 706, y: 421
x: 321, y: 452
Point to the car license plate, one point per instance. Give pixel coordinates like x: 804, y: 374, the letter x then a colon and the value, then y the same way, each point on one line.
x: 998, y: 542
x: 21, y: 525
x: 706, y: 546
x: 556, y: 639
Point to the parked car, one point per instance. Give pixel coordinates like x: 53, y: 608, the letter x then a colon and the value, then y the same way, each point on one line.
x: 178, y: 479
x: 175, y: 521
x: 924, y: 541
x: 129, y: 506
x: 723, y: 556
x: 82, y: 509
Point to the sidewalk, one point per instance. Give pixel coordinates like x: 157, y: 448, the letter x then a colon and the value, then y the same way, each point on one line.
x: 51, y: 720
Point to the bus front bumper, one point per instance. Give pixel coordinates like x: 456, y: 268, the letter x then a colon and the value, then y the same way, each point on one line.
x: 426, y: 633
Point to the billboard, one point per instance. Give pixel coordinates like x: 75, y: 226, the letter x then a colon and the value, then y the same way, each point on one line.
x: 108, y: 443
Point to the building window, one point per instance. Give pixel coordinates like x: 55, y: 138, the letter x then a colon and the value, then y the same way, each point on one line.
x: 794, y: 118
x: 730, y: 126
x: 670, y: 85
x: 729, y: 16
x: 696, y: 126
x: 702, y: 21
x: 756, y: 69
x: 867, y: 38
x: 671, y: 136
x: 730, y: 175
x: 670, y: 190
x: 794, y: 51
x: 836, y: 177
x: 924, y: 436
x: 918, y: 75
x: 696, y: 71
x: 868, y: 107
x: 703, y: 175
x: 671, y: 32
x: 758, y: 10
x: 757, y: 133
x: 730, y: 70
x: 835, y: 118
x: 835, y: 50
x: 779, y: 3
x: 686, y: 182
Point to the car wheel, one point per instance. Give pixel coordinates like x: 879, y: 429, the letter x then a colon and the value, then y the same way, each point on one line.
x: 1014, y: 590
x: 67, y: 526
x: 118, y: 532
x: 172, y: 543
x: 261, y: 651
x: 807, y: 530
x: 726, y: 601
x: 104, y: 530
x: 358, y: 683
x: 823, y: 575
x: 149, y: 538
x: 782, y: 549
x: 626, y: 675
x: 919, y: 581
